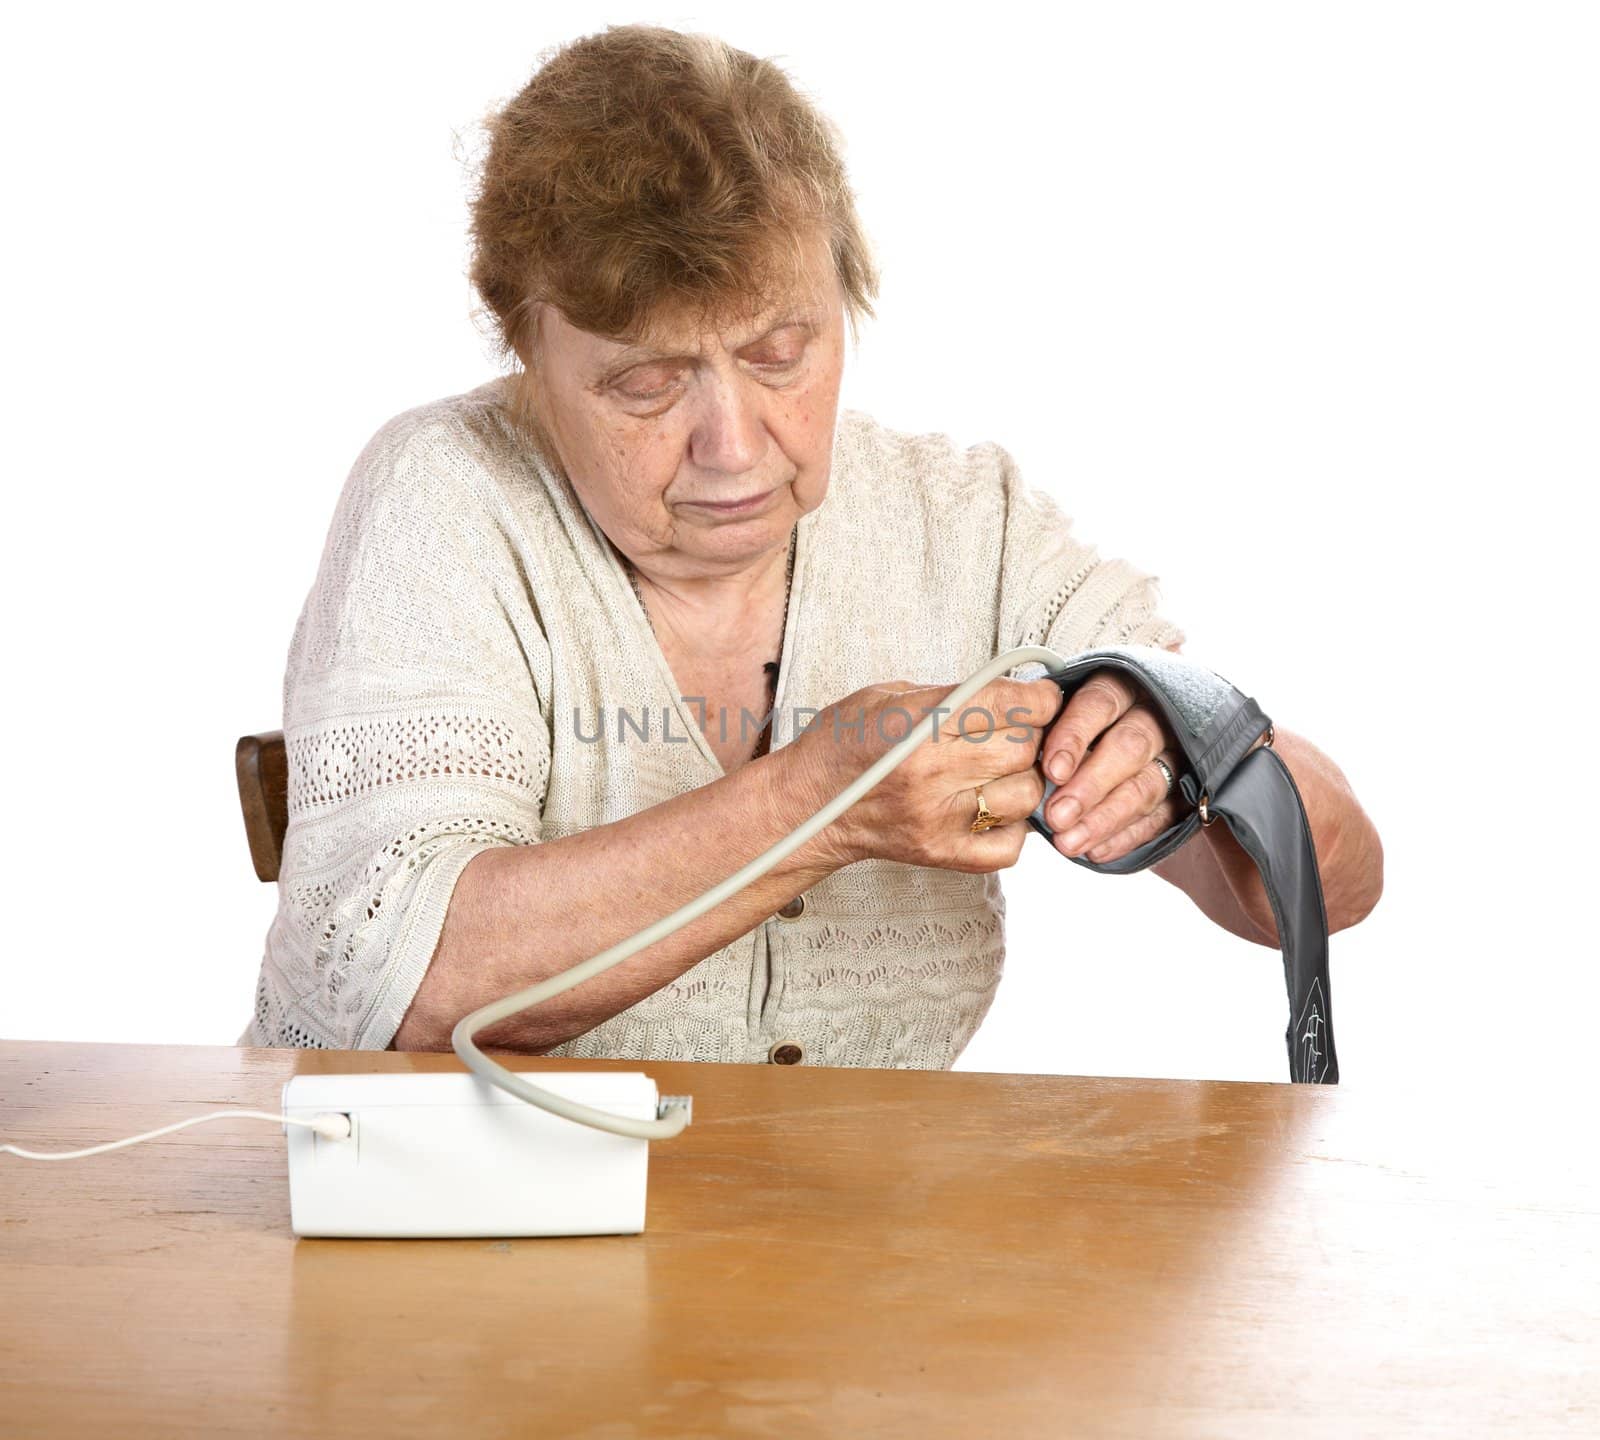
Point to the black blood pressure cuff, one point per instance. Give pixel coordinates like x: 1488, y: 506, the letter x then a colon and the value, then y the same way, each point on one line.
x: 1216, y: 726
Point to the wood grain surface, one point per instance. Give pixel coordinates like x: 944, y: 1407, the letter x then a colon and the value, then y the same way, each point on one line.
x: 827, y: 1252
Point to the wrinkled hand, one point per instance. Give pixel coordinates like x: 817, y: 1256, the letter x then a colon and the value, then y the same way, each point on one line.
x: 921, y: 812
x: 1112, y: 796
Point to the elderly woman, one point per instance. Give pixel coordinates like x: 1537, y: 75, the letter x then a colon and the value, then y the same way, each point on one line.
x: 588, y: 638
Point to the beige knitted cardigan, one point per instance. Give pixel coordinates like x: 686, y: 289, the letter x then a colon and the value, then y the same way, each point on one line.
x: 469, y: 622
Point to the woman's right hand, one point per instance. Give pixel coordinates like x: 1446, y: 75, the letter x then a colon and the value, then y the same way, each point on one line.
x: 921, y: 812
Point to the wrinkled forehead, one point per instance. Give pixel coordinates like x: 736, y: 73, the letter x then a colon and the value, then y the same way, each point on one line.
x: 796, y: 274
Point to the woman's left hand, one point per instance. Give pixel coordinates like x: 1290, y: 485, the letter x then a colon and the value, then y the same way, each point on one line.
x: 1113, y: 797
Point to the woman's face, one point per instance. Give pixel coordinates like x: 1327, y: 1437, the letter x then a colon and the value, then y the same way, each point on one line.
x: 698, y: 457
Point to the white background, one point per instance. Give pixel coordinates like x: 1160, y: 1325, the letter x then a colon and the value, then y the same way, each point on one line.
x: 1296, y: 308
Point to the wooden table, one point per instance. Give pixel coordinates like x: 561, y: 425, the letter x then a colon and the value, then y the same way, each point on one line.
x: 826, y: 1252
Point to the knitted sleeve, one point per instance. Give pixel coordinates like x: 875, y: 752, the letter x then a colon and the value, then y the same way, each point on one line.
x: 1057, y: 589
x: 417, y: 728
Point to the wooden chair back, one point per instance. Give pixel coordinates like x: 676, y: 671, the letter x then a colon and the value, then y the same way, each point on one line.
x: 262, y: 765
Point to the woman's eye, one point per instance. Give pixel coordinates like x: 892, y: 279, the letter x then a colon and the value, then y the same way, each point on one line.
x: 647, y: 394
x: 775, y: 366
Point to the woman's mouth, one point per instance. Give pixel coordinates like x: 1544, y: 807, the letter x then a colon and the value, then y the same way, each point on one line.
x: 732, y: 507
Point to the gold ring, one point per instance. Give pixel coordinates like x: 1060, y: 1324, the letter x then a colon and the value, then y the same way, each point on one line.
x: 986, y: 819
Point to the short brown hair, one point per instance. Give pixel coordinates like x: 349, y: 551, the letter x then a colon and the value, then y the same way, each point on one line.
x: 645, y: 175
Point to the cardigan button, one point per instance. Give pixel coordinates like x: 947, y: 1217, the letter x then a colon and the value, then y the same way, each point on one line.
x: 785, y: 1052
x: 794, y: 909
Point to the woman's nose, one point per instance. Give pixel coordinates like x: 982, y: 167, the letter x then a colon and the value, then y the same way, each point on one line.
x: 730, y: 430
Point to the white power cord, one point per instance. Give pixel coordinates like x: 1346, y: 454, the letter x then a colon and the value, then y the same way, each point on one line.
x: 330, y: 1127
x: 673, y: 1113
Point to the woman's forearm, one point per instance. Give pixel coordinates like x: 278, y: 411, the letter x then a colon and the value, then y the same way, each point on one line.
x: 1349, y: 852
x: 520, y: 914
x: 1217, y: 873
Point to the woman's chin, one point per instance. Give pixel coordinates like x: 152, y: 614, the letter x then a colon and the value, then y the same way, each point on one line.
x: 736, y: 539
x: 733, y: 552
